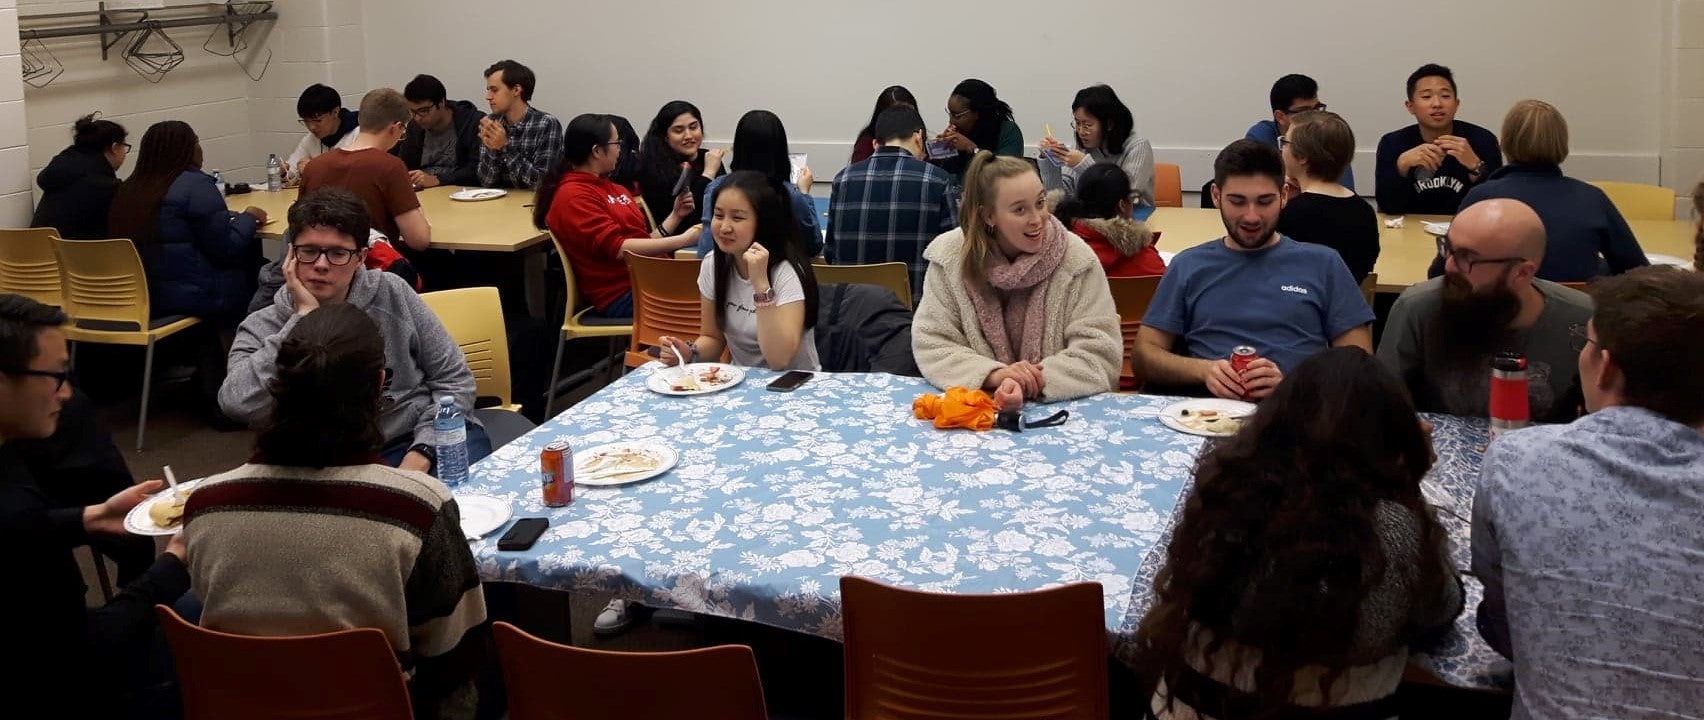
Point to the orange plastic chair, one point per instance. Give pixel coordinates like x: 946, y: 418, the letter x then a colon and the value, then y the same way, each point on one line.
x: 1580, y: 286
x: 547, y: 681
x: 665, y: 302
x: 28, y: 266
x: 349, y: 674
x: 1131, y: 296
x: 914, y: 655
x: 1168, y: 185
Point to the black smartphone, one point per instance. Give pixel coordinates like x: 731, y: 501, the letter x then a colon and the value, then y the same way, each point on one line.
x: 684, y: 183
x: 525, y: 532
x: 790, y: 382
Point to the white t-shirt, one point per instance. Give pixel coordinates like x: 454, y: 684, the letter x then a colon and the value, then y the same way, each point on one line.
x: 310, y: 147
x: 739, y: 325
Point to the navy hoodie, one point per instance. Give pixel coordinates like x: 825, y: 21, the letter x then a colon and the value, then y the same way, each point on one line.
x: 76, y: 192
x: 1441, y: 193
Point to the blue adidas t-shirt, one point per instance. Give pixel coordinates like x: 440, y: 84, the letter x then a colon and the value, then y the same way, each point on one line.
x: 1287, y: 301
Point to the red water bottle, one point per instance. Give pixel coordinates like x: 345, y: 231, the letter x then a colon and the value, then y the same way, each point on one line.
x: 1510, y: 409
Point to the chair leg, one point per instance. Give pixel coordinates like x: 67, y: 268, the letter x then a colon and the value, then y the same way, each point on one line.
x: 555, y: 371
x: 147, y: 385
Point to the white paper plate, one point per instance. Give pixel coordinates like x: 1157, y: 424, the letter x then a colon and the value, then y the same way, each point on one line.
x: 1172, y: 415
x: 137, y: 521
x: 477, y: 194
x: 1436, y: 228
x: 481, y: 515
x: 666, y: 458
x: 1660, y: 259
x: 662, y: 379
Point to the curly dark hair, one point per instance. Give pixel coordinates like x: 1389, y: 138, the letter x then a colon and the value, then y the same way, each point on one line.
x: 327, y: 394
x: 1278, y: 544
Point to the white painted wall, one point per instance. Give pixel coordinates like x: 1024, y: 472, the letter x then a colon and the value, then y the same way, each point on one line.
x: 1683, y: 153
x: 1196, y: 74
x: 15, y: 202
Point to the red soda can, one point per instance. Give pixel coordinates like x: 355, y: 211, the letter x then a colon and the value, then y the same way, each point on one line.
x: 1241, y: 356
x: 556, y: 466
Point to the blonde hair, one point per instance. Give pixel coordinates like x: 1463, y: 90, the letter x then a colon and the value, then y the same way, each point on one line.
x: 1535, y: 133
x: 985, y: 171
x: 1322, y: 138
x: 382, y: 107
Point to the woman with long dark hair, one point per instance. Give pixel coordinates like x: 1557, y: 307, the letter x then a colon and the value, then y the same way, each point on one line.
x: 675, y: 141
x: 201, y: 258
x: 759, y: 294
x: 1099, y: 213
x: 315, y: 491
x: 865, y: 145
x: 78, y: 183
x: 1105, y: 132
x: 1305, y: 561
x: 760, y: 144
x: 977, y: 119
x: 595, y: 220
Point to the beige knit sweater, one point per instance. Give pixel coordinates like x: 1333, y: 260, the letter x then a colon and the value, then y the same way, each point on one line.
x: 1081, y: 347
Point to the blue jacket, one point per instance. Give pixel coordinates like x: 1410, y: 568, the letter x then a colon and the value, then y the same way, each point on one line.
x: 204, y: 257
x: 1580, y: 223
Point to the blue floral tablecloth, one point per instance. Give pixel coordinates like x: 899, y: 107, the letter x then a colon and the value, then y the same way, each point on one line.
x: 777, y: 495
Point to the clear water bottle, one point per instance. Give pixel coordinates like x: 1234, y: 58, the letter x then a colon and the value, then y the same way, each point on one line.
x: 450, y: 427
x: 274, y: 173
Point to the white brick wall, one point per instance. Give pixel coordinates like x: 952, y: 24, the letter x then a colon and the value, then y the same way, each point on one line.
x: 1683, y: 151
x: 238, y: 120
x: 15, y: 204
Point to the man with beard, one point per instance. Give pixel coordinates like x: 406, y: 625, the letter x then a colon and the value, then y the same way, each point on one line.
x: 1442, y: 333
x: 1286, y: 299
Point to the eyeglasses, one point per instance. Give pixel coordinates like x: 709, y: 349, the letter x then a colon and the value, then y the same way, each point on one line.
x: 422, y: 112
x: 59, y: 376
x: 126, y: 146
x: 1294, y: 110
x: 1467, y: 259
x: 617, y: 143
x: 1084, y: 125
x: 1283, y: 142
x: 1578, y: 337
x: 959, y: 114
x: 314, y: 119
x: 308, y: 254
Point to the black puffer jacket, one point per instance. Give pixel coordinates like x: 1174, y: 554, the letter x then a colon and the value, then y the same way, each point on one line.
x: 76, y: 192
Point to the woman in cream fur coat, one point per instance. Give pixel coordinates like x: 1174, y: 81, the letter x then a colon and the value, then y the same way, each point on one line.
x: 1013, y: 303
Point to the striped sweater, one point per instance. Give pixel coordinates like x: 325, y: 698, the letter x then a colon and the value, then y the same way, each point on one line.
x: 280, y: 550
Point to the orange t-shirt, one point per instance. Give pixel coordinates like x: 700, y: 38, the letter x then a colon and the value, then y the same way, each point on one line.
x: 377, y: 177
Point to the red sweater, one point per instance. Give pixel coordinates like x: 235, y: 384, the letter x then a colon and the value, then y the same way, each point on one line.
x: 590, y: 217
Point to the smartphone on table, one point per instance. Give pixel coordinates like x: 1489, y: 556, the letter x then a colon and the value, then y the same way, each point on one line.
x: 790, y: 381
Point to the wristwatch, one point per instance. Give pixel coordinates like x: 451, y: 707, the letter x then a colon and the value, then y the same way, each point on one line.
x: 1478, y: 170
x: 430, y: 452
x: 765, y: 298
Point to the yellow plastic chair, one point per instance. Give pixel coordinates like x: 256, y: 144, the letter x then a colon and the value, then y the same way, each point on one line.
x: 474, y: 319
x: 895, y: 276
x: 1370, y: 287
x: 28, y: 266
x: 1638, y: 201
x: 106, y: 295
x: 574, y: 327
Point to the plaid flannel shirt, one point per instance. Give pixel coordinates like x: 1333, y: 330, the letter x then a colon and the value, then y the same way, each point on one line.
x: 887, y: 209
x: 534, y: 143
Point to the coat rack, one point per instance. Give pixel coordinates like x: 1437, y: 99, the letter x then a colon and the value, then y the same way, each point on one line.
x: 151, y: 53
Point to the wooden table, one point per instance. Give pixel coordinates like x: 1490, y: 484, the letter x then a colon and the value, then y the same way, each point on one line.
x: 1404, y: 253
x: 503, y: 225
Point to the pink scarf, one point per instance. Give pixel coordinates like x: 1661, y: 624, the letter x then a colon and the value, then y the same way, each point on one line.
x: 1024, y: 281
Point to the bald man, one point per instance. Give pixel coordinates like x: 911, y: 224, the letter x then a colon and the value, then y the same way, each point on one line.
x: 1442, y: 333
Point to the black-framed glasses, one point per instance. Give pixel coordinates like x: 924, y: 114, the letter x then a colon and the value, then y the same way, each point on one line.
x: 308, y: 254
x: 59, y: 376
x: 126, y: 146
x: 423, y: 111
x: 1283, y: 142
x: 1578, y: 338
x: 1294, y: 110
x: 617, y: 143
x: 959, y: 114
x: 1467, y: 259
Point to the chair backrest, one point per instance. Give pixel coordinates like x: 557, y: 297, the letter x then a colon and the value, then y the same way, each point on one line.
x: 28, y: 266
x: 1370, y: 287
x: 103, y: 281
x: 1131, y: 296
x: 914, y: 655
x: 895, y: 276
x: 547, y: 681
x: 347, y: 674
x: 474, y: 319
x: 650, y: 219
x: 1168, y: 185
x: 1638, y: 201
x: 665, y: 301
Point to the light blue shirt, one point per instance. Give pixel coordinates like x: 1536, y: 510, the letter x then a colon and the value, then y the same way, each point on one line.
x: 1589, y: 538
x: 804, y: 211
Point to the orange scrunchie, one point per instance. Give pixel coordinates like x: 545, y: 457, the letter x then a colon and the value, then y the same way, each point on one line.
x: 959, y: 408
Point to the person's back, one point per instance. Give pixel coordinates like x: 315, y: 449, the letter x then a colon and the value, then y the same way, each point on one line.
x: 1582, y: 227
x: 888, y: 207
x: 377, y: 177
x: 1586, y: 536
x: 78, y: 183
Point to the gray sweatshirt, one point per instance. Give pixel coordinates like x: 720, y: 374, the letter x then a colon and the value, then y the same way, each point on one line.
x: 1136, y: 158
x: 423, y: 360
